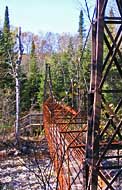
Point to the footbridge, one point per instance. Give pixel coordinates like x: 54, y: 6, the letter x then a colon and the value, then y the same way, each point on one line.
x: 86, y: 148
x: 66, y: 132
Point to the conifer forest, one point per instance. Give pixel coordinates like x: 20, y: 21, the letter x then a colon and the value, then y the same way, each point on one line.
x: 61, y: 103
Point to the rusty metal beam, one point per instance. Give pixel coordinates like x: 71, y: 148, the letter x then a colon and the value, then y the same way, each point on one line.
x: 102, y: 119
x: 95, y: 119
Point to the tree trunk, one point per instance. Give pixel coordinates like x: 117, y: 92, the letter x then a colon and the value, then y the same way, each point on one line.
x: 17, y: 104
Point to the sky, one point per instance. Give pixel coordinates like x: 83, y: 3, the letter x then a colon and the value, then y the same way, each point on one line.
x: 36, y: 16
x: 43, y: 15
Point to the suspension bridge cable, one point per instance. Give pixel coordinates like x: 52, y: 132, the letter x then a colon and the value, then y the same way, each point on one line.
x: 48, y: 79
x: 88, y: 14
x: 82, y: 53
x: 81, y: 66
x: 80, y: 59
x: 83, y: 50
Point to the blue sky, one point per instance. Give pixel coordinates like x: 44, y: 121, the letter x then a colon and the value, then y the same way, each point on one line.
x: 46, y: 15
x: 43, y: 15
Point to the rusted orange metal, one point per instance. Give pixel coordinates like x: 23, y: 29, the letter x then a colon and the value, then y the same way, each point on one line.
x: 64, y: 131
x: 66, y: 135
x: 105, y: 104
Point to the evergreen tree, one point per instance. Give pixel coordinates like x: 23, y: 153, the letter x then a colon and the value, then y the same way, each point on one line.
x: 2, y: 70
x: 41, y: 89
x: 82, y: 64
x: 8, y: 41
x: 81, y: 32
x: 34, y: 76
x: 6, y: 53
x: 70, y: 48
x: 6, y: 60
x: 33, y: 64
x: 25, y: 100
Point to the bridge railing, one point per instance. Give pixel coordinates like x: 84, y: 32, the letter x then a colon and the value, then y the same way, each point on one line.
x: 65, y: 131
x: 31, y: 119
x: 31, y: 124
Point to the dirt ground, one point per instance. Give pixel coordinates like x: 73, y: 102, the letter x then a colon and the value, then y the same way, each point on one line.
x: 29, y: 168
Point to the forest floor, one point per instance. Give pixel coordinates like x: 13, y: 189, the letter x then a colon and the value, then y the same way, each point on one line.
x: 29, y: 168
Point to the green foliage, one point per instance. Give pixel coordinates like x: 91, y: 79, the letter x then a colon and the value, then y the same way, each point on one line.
x: 40, y: 95
x: 25, y: 100
x: 113, y: 80
x: 34, y: 76
x: 6, y: 21
x: 70, y: 67
x: 33, y: 70
x: 81, y: 31
x: 7, y: 83
x: 83, y: 66
x: 60, y: 74
x: 6, y: 53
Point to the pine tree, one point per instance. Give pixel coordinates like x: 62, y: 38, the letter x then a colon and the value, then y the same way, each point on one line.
x: 81, y: 31
x: 72, y: 73
x: 6, y: 58
x: 8, y: 42
x: 6, y: 27
x: 2, y: 70
x: 80, y: 61
x: 34, y: 76
x: 25, y: 100
x: 41, y: 89
x: 6, y: 53
x: 33, y: 70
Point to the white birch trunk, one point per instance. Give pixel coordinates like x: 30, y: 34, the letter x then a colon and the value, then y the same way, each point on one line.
x: 17, y: 104
x: 18, y: 62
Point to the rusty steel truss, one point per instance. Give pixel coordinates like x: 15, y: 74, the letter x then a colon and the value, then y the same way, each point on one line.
x: 104, y: 137
x: 64, y: 131
x: 87, y: 152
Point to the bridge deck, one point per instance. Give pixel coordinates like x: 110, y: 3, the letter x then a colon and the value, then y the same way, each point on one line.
x: 65, y: 131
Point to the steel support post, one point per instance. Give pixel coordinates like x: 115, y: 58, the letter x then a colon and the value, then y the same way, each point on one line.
x: 94, y: 100
x: 102, y: 117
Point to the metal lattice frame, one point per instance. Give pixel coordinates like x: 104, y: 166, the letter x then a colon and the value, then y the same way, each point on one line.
x: 104, y: 137
x: 65, y: 141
